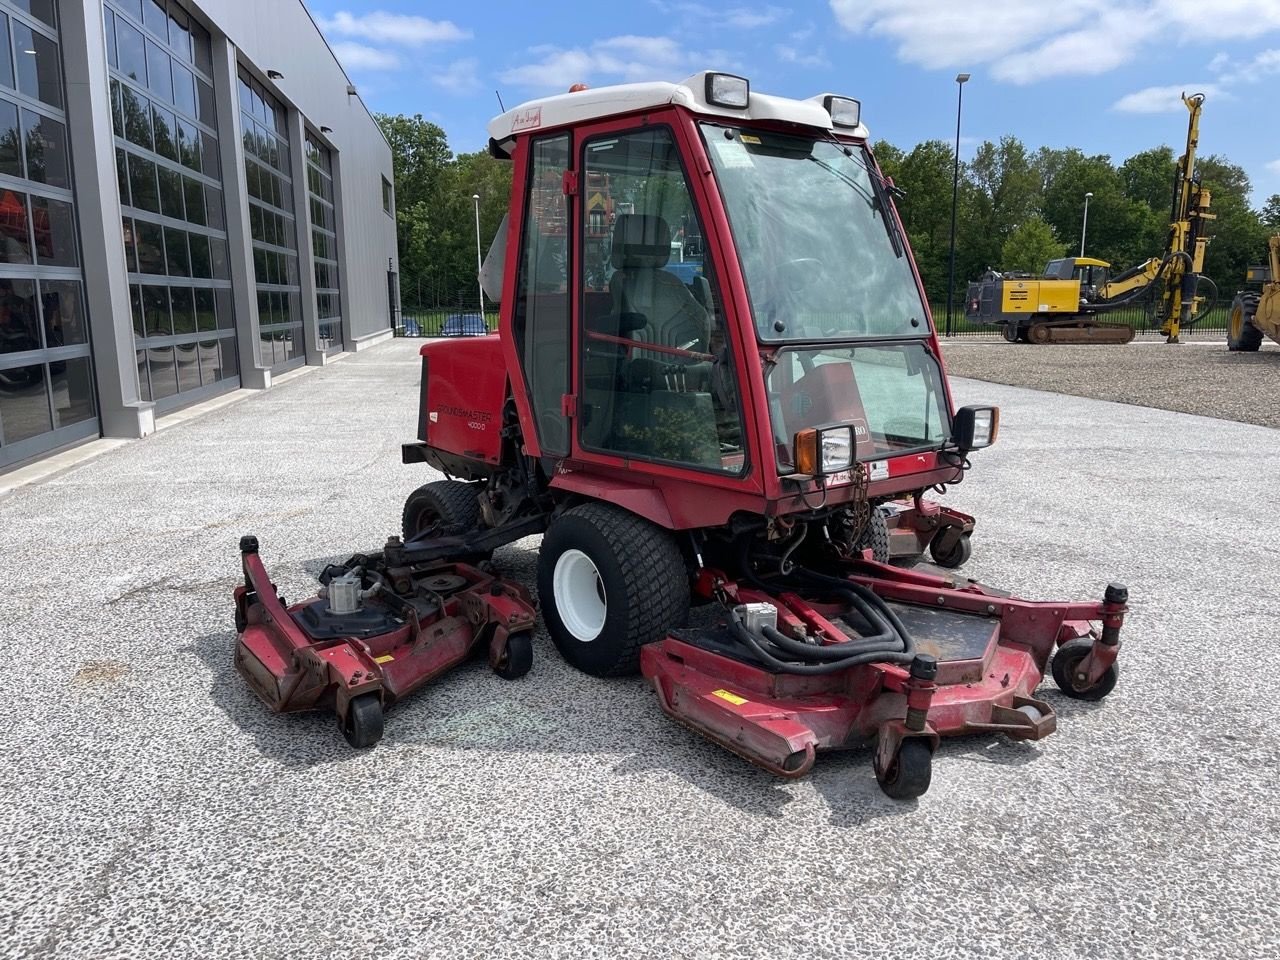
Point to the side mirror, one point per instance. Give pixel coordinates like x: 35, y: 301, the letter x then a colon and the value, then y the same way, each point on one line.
x: 822, y: 451
x: 975, y: 427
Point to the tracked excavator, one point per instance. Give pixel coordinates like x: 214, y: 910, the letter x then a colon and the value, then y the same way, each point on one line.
x: 1070, y: 301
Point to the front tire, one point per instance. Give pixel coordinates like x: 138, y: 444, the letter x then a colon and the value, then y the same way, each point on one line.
x: 1242, y: 335
x: 609, y: 582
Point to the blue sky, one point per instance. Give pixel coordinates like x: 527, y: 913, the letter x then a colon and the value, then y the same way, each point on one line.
x: 1101, y: 75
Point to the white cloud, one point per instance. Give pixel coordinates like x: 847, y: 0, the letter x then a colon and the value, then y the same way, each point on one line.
x: 1165, y: 99
x: 1024, y: 42
x: 804, y: 58
x: 461, y: 76
x: 626, y: 58
x: 384, y: 27
x: 1262, y: 65
x: 1274, y: 166
x: 358, y: 56
x: 743, y: 18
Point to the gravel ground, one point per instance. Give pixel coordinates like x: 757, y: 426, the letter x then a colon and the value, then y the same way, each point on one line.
x: 150, y: 806
x: 1195, y: 377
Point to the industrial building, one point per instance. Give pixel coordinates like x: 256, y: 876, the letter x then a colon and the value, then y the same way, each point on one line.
x: 192, y: 200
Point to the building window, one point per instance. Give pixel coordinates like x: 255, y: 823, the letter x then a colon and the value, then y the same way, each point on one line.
x: 46, y: 375
x: 324, y: 246
x: 272, y: 227
x: 166, y: 138
x: 388, y: 198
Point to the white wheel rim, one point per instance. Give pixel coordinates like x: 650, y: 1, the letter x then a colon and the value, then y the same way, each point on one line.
x: 579, y: 595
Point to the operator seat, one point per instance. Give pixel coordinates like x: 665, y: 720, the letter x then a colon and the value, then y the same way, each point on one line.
x: 641, y: 288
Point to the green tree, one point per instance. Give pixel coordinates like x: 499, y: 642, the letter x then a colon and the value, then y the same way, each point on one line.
x: 1030, y: 246
x: 1003, y: 191
x: 1148, y: 176
x: 1239, y: 233
x: 1271, y: 212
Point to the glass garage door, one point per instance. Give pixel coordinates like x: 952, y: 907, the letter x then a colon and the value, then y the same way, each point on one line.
x: 46, y: 373
x: 166, y: 137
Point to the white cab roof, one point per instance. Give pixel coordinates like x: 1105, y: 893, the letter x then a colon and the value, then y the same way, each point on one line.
x: 594, y: 104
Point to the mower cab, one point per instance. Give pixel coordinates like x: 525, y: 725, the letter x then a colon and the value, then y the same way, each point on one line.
x: 717, y: 387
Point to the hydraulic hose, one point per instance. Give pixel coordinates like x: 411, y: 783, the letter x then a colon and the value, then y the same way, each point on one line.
x: 745, y: 637
x: 890, y: 643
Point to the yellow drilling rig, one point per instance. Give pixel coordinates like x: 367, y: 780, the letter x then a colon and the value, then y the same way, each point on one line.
x: 1069, y: 302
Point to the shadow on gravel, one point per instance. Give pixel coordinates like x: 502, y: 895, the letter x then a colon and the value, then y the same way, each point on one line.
x: 294, y: 740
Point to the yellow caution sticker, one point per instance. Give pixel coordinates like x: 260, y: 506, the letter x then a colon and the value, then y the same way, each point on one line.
x: 733, y: 698
x: 748, y: 138
x: 385, y: 658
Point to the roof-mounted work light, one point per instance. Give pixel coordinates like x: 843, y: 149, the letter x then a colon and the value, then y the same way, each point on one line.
x: 726, y: 90
x: 845, y: 111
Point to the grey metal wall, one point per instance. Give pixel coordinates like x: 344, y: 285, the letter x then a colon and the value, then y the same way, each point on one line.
x: 280, y: 35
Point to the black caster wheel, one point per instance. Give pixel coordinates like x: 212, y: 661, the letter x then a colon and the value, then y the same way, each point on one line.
x: 518, y: 657
x: 363, y: 724
x: 957, y: 555
x: 1069, y: 656
x: 909, y: 774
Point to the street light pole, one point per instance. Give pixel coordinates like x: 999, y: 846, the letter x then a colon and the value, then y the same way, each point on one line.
x: 961, y: 79
x: 1084, y: 224
x: 475, y: 197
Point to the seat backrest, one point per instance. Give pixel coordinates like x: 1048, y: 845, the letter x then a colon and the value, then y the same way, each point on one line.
x: 640, y: 285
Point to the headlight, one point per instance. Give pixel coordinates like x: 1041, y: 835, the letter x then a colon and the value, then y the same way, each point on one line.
x: 726, y: 90
x: 822, y: 451
x: 845, y: 111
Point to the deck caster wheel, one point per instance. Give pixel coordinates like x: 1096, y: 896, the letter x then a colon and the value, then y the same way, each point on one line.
x: 909, y: 774
x: 363, y: 724
x: 956, y: 555
x: 1065, y: 663
x: 517, y: 659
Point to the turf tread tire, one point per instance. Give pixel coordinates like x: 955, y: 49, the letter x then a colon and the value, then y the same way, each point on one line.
x: 453, y: 501
x: 636, y: 559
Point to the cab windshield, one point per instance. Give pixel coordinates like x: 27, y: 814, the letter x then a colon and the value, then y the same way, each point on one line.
x: 890, y: 393
x: 815, y: 235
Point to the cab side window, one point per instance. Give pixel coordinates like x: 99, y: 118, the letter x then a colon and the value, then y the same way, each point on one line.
x: 542, y: 305
x: 657, y: 377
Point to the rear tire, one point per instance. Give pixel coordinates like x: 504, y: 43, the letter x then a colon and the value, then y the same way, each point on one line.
x: 1010, y: 331
x: 1242, y: 335
x: 609, y: 582
x: 450, y: 506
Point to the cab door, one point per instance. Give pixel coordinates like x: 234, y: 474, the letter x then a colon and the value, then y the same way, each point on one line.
x: 540, y: 313
x: 656, y: 388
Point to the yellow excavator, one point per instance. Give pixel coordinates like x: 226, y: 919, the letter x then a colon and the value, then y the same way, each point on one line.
x: 1254, y: 315
x: 1068, y: 303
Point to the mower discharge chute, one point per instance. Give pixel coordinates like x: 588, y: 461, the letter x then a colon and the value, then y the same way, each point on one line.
x: 716, y: 387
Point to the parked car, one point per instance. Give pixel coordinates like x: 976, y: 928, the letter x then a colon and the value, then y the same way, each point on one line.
x: 464, y: 325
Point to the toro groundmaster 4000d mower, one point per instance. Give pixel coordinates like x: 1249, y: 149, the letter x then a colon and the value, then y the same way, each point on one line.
x: 715, y: 385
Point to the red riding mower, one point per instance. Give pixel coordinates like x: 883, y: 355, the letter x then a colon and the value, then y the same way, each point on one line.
x: 717, y: 389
